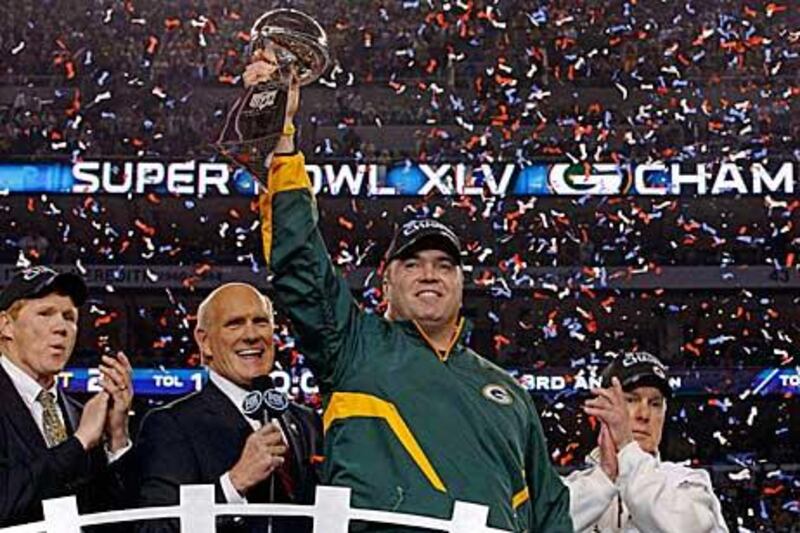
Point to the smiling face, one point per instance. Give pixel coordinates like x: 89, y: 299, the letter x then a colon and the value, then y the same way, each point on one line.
x: 647, y: 409
x: 234, y: 332
x: 426, y: 287
x: 38, y: 335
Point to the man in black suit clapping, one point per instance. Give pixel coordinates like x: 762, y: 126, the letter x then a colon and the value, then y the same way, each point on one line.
x: 51, y: 446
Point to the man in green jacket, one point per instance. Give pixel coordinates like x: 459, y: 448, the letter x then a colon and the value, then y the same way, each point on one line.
x: 414, y: 419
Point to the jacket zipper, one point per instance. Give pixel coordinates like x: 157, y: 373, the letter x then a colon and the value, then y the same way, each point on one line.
x: 456, y: 335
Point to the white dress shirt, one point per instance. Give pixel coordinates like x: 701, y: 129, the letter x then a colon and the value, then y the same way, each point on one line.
x: 28, y: 389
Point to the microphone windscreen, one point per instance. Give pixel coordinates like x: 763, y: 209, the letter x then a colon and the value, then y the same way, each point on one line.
x: 262, y: 383
x: 275, y: 402
x: 253, y: 405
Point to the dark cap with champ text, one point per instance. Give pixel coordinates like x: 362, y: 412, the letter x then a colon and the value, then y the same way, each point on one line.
x: 638, y: 369
x: 424, y: 234
x: 38, y: 281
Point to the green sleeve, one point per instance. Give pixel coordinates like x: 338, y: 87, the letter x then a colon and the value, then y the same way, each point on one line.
x: 307, y: 288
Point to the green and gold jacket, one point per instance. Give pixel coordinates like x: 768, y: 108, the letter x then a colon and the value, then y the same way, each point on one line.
x: 406, y: 430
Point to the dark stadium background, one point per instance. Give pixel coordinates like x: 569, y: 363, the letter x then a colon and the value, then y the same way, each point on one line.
x: 453, y: 82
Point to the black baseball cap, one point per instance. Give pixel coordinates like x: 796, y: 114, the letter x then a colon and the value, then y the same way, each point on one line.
x: 638, y: 369
x: 38, y: 281
x: 424, y: 234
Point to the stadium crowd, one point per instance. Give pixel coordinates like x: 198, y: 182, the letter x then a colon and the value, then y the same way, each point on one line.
x: 511, y: 80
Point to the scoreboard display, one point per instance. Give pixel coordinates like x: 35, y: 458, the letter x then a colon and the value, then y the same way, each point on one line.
x: 745, y: 382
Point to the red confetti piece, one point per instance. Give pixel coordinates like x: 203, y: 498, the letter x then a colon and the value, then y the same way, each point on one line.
x: 144, y: 228
x: 152, y: 45
x: 105, y: 320
x: 346, y: 224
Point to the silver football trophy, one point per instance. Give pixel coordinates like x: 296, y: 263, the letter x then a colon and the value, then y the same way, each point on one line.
x: 255, y: 121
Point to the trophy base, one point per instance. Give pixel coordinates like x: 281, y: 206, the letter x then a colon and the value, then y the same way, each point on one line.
x: 254, y: 156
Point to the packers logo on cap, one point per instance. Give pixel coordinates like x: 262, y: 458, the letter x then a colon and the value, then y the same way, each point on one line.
x: 498, y: 394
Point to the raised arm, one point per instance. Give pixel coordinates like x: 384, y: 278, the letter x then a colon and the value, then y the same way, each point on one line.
x: 317, y: 300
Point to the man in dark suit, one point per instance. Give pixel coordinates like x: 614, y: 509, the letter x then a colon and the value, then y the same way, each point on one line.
x: 206, y: 437
x: 50, y: 446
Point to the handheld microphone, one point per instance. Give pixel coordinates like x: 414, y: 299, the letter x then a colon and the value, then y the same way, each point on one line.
x: 273, y: 402
x: 266, y: 404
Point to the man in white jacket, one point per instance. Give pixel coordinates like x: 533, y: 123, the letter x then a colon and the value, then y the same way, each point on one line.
x: 628, y: 488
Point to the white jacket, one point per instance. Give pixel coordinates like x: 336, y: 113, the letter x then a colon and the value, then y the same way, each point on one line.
x: 650, y: 496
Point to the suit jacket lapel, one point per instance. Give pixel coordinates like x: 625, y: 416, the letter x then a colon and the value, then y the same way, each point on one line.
x: 223, y: 410
x: 19, y: 415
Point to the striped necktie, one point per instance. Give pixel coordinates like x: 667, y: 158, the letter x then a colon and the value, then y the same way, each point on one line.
x: 54, y: 431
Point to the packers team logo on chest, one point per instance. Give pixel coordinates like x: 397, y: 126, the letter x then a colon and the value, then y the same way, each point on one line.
x: 497, y: 393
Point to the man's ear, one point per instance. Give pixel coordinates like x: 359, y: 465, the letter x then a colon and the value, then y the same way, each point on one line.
x: 201, y: 338
x: 387, y: 277
x: 386, y: 284
x: 5, y: 326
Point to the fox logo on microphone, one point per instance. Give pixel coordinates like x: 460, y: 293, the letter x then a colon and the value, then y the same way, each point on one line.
x: 252, y: 403
x: 275, y: 400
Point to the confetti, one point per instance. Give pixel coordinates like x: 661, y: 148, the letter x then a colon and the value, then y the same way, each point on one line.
x: 554, y: 279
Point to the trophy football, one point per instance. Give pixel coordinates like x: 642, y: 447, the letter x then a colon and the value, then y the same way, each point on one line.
x: 255, y: 122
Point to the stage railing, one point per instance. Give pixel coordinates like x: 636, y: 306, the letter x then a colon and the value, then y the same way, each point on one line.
x: 197, y: 512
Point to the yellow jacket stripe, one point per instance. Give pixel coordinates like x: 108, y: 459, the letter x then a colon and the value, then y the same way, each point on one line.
x: 520, y: 498
x: 286, y: 173
x: 358, y: 405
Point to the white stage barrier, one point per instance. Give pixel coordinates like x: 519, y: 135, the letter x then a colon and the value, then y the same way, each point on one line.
x: 197, y: 512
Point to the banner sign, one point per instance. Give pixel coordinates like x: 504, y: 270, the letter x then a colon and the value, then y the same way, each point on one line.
x: 557, y: 383
x: 151, y: 276
x: 200, y: 178
x: 552, y: 279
